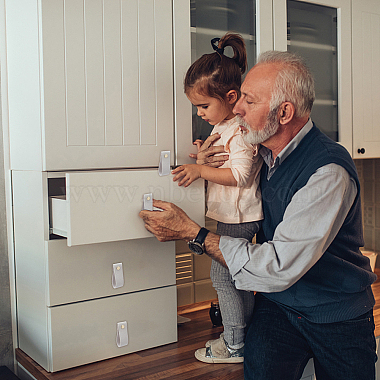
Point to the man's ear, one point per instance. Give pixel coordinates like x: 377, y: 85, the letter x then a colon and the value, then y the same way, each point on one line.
x: 286, y: 113
x: 232, y: 96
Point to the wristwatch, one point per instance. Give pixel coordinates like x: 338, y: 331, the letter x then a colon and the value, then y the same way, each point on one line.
x: 197, y: 245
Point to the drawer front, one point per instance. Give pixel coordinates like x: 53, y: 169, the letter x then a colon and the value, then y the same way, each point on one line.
x: 103, y: 206
x: 88, y: 271
x: 86, y: 332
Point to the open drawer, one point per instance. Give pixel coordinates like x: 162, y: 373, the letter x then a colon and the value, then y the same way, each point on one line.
x: 103, y: 206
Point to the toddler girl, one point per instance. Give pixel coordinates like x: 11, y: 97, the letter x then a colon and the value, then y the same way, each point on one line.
x: 212, y: 84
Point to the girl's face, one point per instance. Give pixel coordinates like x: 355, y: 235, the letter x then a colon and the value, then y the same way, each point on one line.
x: 211, y: 109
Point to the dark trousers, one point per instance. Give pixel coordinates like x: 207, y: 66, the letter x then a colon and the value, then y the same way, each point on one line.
x: 280, y: 342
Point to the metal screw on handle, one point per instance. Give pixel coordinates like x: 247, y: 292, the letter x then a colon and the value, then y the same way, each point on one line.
x: 361, y: 150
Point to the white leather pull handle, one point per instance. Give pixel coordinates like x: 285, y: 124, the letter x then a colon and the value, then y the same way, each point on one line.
x: 117, y: 275
x: 148, y: 202
x: 121, y: 334
x: 164, y: 165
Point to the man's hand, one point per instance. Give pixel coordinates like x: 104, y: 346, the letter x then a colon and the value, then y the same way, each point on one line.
x: 206, y: 152
x: 186, y: 174
x: 170, y: 224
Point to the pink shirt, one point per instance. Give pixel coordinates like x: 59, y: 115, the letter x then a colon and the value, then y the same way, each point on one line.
x: 241, y: 203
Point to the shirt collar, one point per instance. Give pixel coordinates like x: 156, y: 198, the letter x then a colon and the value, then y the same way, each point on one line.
x: 267, y: 153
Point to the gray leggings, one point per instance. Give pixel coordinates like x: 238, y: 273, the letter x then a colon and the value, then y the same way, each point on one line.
x: 236, y: 305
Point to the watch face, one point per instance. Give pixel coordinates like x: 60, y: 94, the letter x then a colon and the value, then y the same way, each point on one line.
x: 195, y: 247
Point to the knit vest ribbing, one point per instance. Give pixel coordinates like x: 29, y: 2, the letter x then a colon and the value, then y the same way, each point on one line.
x: 337, y: 287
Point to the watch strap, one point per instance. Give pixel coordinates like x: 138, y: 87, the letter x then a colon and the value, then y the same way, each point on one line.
x: 201, y: 237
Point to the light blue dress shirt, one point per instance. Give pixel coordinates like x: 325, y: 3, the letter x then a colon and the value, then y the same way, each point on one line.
x: 311, y: 221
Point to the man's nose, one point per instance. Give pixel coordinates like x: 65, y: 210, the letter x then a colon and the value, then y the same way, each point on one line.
x: 238, y: 108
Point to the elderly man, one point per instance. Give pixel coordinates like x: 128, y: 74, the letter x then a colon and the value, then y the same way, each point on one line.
x: 314, y: 297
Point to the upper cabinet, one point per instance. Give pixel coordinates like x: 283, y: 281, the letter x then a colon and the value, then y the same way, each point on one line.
x: 91, y: 83
x: 366, y: 78
x: 315, y: 29
x: 97, y: 84
x: 339, y: 40
x: 318, y: 31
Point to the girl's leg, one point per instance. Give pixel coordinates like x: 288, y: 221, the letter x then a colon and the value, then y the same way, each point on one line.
x: 236, y: 305
x: 231, y: 305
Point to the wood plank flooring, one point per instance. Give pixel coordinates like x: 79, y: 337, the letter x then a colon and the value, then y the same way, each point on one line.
x: 172, y: 361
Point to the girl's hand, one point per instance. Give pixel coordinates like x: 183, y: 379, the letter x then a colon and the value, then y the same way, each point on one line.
x: 206, y: 152
x: 186, y: 174
x: 198, y: 143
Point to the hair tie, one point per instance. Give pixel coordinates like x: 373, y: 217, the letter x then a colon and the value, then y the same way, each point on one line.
x: 215, y: 46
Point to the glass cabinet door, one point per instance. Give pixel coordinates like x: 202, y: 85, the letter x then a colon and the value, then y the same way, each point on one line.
x: 321, y: 35
x: 214, y: 18
x: 312, y: 33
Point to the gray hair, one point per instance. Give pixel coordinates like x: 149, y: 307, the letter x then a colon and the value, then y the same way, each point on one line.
x: 294, y: 82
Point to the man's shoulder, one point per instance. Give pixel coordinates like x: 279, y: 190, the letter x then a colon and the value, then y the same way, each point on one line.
x: 323, y: 144
x: 322, y: 151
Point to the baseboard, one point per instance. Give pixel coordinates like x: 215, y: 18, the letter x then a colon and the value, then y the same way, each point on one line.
x: 24, y: 374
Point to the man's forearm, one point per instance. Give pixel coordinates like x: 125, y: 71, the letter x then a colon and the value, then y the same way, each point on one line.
x: 212, y: 248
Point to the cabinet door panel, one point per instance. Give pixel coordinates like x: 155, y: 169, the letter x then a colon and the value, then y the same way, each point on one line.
x: 317, y: 30
x: 103, y: 206
x: 85, y: 272
x: 85, y: 332
x: 366, y: 78
x: 108, y: 83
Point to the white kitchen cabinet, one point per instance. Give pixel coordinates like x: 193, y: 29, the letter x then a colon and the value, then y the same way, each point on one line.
x: 356, y: 54
x: 314, y: 29
x: 339, y: 40
x: 319, y: 32
x: 366, y: 78
x: 94, y: 95
x: 91, y: 83
x: 54, y: 278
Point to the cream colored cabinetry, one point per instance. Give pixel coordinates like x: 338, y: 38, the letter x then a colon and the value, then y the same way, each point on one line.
x: 319, y: 31
x: 91, y: 83
x: 357, y: 54
x: 94, y: 94
x: 131, y: 279
x: 366, y: 78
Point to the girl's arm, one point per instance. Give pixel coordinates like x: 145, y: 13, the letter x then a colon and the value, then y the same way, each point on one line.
x: 186, y: 174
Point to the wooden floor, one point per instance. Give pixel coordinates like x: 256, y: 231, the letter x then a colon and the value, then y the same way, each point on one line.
x: 173, y: 361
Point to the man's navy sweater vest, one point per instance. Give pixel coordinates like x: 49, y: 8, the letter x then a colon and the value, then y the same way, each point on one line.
x: 338, y: 286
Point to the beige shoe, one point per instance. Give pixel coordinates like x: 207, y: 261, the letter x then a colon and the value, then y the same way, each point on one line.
x: 219, y: 352
x: 212, y: 341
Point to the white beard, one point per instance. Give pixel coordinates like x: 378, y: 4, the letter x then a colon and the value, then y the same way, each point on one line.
x: 257, y: 137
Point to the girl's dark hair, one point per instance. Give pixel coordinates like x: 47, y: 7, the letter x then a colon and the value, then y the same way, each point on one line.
x: 215, y: 74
